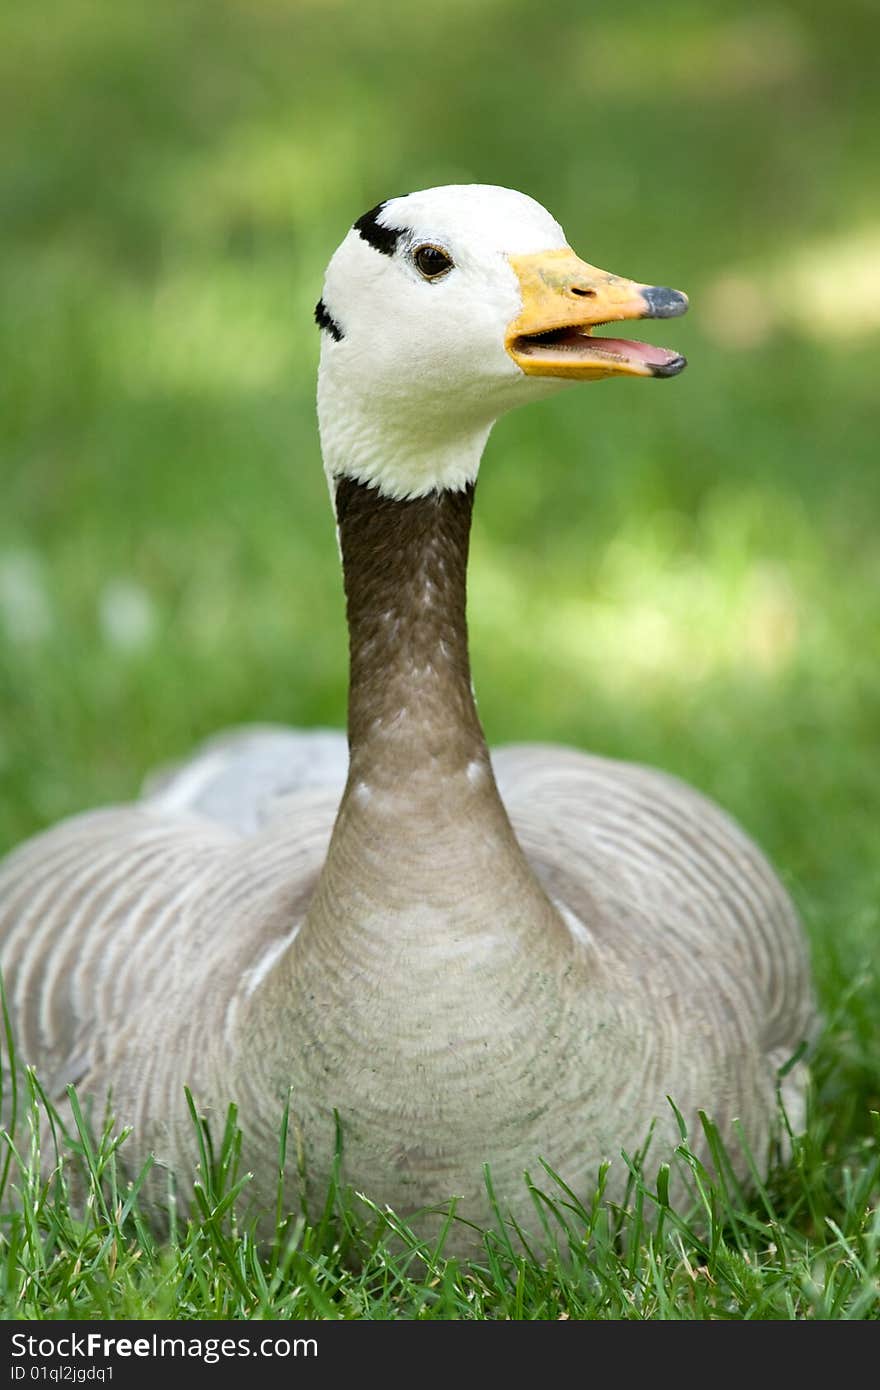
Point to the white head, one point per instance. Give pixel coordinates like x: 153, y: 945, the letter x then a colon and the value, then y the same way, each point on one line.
x: 443, y: 309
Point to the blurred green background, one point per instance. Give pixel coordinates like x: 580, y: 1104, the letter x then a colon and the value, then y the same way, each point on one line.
x: 685, y: 573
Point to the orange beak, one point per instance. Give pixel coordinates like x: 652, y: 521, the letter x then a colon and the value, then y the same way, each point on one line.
x: 564, y: 299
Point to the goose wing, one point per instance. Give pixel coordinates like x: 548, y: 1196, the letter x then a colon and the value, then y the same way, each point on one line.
x: 108, y: 913
x: 242, y: 778
x: 616, y: 843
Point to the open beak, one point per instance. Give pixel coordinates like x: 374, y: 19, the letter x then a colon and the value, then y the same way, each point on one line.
x: 564, y: 299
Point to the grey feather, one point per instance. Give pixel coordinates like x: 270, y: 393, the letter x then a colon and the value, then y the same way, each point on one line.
x: 467, y: 961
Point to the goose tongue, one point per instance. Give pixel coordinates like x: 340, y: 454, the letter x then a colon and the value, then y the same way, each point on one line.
x: 564, y: 299
x: 659, y: 361
x: 567, y: 351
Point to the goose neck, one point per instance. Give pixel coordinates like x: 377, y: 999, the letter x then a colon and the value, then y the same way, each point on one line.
x: 421, y: 823
x: 411, y: 704
x: 425, y: 890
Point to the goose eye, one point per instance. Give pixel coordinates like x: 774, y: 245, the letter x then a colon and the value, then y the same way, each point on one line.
x: 431, y: 261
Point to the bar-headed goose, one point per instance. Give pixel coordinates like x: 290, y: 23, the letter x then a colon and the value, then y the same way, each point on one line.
x: 469, y: 960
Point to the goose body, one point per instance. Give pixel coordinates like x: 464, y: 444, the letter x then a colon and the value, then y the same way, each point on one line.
x: 469, y: 959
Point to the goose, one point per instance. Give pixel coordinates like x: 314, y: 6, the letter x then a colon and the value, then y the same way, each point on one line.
x: 439, y: 958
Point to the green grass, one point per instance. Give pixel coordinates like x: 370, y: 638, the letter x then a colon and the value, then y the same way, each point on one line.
x: 682, y: 573
x: 806, y: 1246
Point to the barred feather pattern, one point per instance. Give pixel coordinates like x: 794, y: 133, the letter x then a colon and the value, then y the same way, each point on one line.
x: 158, y: 945
x: 468, y: 961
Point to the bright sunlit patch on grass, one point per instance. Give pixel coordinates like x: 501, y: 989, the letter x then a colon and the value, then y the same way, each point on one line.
x: 826, y: 291
x: 127, y: 615
x: 672, y: 626
x: 834, y: 286
x: 25, y: 609
x: 667, y: 607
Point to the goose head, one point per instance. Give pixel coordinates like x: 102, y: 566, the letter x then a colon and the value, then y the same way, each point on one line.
x: 444, y: 309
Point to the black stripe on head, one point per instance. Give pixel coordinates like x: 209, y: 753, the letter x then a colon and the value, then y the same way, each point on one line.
x: 384, y: 239
x: 326, y: 321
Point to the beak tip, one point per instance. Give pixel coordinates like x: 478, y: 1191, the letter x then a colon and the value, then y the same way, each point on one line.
x: 670, y: 368
x: 664, y: 303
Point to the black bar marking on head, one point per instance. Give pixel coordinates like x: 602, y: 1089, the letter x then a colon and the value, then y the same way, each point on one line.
x: 326, y: 321
x: 384, y: 239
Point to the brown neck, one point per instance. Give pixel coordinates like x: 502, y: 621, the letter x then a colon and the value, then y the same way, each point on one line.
x: 422, y: 850
x: 428, y: 935
x: 405, y: 566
